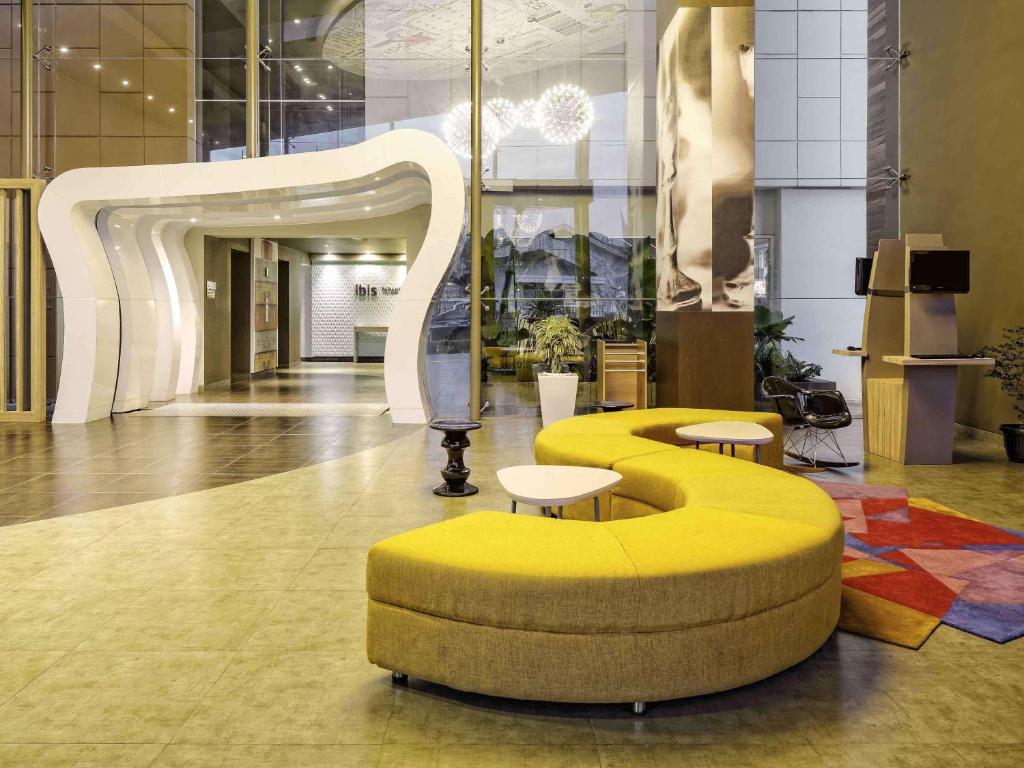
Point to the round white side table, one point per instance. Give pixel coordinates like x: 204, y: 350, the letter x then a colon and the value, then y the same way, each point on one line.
x: 731, y: 433
x: 549, y: 485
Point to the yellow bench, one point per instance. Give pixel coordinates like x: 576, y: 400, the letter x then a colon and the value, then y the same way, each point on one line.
x: 738, y: 581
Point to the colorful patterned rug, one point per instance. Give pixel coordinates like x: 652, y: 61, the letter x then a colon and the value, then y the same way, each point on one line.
x: 911, y: 564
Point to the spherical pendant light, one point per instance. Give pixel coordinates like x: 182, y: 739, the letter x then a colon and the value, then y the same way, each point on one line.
x: 457, y: 130
x: 526, y: 113
x: 565, y: 113
x: 506, y: 113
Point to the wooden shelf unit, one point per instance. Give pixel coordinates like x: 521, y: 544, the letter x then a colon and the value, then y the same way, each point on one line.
x: 622, y: 372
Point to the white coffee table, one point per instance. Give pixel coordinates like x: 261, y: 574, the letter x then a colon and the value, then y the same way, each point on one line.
x: 731, y: 433
x: 550, y: 485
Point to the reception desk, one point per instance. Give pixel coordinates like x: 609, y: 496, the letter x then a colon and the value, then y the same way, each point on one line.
x: 909, y: 402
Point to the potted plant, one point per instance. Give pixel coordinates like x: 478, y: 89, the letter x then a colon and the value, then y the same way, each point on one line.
x: 770, y: 331
x: 554, y: 339
x: 1009, y: 372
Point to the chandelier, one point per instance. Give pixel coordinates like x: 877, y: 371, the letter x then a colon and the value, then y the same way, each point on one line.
x: 565, y: 113
x: 520, y: 228
x: 457, y: 130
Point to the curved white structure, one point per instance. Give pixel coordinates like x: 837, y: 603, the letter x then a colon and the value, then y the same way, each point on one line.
x: 132, y: 306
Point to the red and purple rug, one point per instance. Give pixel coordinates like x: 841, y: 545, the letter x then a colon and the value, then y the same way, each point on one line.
x: 911, y: 564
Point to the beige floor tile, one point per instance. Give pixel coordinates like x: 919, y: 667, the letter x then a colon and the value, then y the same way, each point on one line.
x: 57, y: 619
x: 184, y: 620
x: 279, y: 531
x: 490, y: 755
x: 268, y: 756
x: 109, y: 568
x: 712, y: 756
x: 363, y: 532
x: 230, y: 568
x: 79, y: 755
x: 430, y: 714
x: 17, y: 567
x: 868, y: 755
x: 293, y: 698
x: 334, y: 569
x: 101, y: 697
x: 314, y: 621
x: 19, y: 668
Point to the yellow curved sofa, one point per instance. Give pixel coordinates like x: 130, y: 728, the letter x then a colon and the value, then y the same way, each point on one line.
x: 737, y: 580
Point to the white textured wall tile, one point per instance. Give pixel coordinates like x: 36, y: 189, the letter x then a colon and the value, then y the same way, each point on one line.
x: 818, y: 119
x: 335, y: 309
x: 854, y: 33
x: 775, y: 99
x: 775, y: 5
x: 853, y: 159
x: 775, y: 33
x: 818, y: 160
x: 818, y: 77
x: 819, y: 5
x: 775, y: 159
x: 854, y: 93
x: 818, y: 35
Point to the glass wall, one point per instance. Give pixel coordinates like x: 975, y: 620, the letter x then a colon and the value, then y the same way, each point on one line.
x: 569, y: 209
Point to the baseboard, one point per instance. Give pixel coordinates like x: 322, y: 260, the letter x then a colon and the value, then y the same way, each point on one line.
x: 331, y: 359
x: 962, y: 430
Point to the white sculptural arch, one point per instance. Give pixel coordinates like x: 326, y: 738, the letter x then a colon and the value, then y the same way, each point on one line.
x: 132, y: 308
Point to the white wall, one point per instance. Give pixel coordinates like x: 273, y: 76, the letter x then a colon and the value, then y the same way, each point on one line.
x: 821, y: 233
x: 336, y: 308
x: 810, y: 103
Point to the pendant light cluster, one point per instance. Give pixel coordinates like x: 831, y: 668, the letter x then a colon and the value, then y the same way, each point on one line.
x: 563, y: 114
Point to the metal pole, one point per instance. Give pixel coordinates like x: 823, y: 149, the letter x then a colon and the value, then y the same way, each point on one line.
x: 252, y: 78
x: 28, y: 68
x: 475, y: 187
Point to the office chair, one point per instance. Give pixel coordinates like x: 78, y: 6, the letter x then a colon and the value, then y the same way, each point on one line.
x: 812, y: 417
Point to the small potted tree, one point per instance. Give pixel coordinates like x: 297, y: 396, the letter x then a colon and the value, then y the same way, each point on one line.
x: 554, y: 339
x: 1009, y: 372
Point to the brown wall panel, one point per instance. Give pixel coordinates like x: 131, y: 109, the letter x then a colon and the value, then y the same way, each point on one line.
x: 961, y: 117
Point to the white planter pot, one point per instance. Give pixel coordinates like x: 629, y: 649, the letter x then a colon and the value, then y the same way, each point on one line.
x: 557, y: 396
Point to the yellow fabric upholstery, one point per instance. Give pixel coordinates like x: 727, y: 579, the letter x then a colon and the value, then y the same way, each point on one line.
x: 739, y: 580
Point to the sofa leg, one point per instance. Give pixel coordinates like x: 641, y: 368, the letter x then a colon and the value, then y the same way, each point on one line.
x: 399, y: 678
x: 639, y: 707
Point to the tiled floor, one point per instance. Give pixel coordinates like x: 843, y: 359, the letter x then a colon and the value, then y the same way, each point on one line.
x: 225, y: 627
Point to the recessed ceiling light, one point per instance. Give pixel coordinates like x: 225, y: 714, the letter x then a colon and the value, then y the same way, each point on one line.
x: 320, y: 96
x: 376, y: 178
x: 366, y: 207
x: 190, y: 121
x: 298, y: 68
x: 117, y: 226
x: 330, y: 66
x: 295, y: 21
x: 63, y: 49
x: 149, y: 97
x: 372, y: 192
x: 330, y: 108
x: 97, y: 65
x: 306, y: 80
x: 125, y: 83
x: 277, y: 216
x: 170, y: 109
x: 193, y: 219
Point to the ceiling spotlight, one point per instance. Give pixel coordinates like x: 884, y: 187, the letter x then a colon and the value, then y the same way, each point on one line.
x: 372, y: 192
x: 97, y: 65
x: 149, y: 97
x: 190, y: 121
x: 376, y: 178
x: 306, y: 80
x: 330, y: 66
x: 330, y: 108
x: 63, y: 49
x: 170, y: 109
x: 193, y: 219
x: 295, y: 21
x: 366, y: 207
x: 320, y: 96
x: 125, y: 83
x: 298, y: 68
x: 277, y: 217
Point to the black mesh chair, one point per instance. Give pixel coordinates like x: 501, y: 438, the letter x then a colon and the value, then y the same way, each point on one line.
x: 812, y: 417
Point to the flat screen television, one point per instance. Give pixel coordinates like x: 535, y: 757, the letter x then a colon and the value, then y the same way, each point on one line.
x: 940, y: 272
x: 862, y: 275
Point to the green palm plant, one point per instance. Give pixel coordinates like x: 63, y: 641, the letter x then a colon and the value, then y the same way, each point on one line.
x: 556, y: 338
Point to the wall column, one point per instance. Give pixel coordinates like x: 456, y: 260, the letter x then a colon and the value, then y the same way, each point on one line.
x: 475, y: 190
x: 252, y: 78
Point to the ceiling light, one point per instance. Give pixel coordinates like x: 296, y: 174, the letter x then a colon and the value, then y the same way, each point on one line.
x: 376, y: 178
x: 330, y: 66
x: 170, y: 109
x: 190, y: 121
x: 320, y: 96
x: 149, y: 97
x: 295, y: 21
x: 63, y: 49
x: 506, y: 112
x: 193, y: 219
x: 306, y: 80
x: 125, y: 83
x: 366, y: 207
x: 298, y: 68
x: 330, y: 108
x: 565, y: 113
x: 457, y: 130
x: 96, y: 65
x: 277, y: 217
x: 372, y: 192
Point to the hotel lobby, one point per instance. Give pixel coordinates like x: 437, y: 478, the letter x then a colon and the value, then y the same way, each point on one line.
x: 456, y: 385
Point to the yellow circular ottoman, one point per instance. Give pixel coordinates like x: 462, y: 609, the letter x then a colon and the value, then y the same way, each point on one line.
x: 711, y: 572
